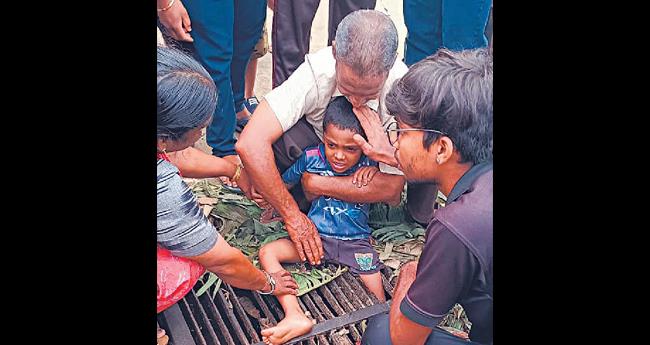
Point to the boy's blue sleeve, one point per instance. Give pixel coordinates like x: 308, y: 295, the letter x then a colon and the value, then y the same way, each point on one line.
x: 368, y: 162
x: 292, y: 175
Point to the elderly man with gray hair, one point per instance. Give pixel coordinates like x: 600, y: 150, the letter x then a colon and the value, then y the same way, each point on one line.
x: 360, y: 65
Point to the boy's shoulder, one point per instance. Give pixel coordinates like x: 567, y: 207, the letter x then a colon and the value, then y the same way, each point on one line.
x: 314, y: 158
x: 314, y: 152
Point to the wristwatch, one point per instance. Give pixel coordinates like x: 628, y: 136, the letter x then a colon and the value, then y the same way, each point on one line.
x: 271, y: 282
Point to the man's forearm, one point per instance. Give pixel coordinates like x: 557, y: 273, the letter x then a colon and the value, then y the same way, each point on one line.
x: 255, y: 150
x: 383, y: 188
x: 195, y: 163
x: 258, y: 159
x: 402, y: 330
x: 405, y: 280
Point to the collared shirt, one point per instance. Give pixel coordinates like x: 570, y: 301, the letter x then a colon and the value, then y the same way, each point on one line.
x: 310, y: 88
x: 456, y: 261
x: 332, y: 217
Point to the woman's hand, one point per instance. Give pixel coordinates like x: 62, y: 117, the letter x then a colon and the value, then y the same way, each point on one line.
x: 284, y: 284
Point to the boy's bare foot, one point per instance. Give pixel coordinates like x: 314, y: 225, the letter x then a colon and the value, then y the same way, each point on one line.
x: 289, y: 328
x: 163, y: 339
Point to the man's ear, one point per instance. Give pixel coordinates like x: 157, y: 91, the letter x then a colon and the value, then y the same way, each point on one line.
x: 161, y: 144
x: 445, y: 149
x: 334, y: 48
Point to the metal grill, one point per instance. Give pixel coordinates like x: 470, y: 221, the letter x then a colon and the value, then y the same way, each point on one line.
x: 236, y: 317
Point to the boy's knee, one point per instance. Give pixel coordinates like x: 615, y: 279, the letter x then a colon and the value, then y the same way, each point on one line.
x: 265, y: 253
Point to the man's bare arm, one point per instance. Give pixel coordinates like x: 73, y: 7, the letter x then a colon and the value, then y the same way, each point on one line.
x: 255, y: 150
x: 383, y: 188
x: 402, y: 330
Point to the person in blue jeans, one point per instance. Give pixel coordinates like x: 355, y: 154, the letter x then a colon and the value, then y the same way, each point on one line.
x: 343, y: 226
x: 452, y: 24
x: 221, y: 35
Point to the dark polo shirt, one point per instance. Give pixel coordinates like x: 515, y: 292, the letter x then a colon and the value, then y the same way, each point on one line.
x: 456, y: 262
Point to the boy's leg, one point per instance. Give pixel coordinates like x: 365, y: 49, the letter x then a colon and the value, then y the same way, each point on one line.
x: 363, y: 260
x: 272, y: 254
x: 373, y: 283
x: 295, y: 323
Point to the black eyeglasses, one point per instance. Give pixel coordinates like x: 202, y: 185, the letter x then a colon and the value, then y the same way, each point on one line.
x: 393, y: 132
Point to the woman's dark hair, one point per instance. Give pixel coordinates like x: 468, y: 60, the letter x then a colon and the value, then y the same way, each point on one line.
x: 339, y: 113
x: 450, y: 92
x: 187, y: 95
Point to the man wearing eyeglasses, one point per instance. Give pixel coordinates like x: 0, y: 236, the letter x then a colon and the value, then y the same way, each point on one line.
x: 443, y: 134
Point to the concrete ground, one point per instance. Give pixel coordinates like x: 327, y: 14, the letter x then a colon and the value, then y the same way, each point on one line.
x: 318, y: 40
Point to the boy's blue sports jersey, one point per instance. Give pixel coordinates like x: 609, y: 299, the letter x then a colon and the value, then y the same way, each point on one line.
x: 332, y: 217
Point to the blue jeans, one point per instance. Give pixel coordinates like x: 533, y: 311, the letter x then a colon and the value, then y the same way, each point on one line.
x: 453, y: 24
x: 378, y: 333
x: 225, y: 33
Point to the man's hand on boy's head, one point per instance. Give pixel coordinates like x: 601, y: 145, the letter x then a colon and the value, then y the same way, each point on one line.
x: 364, y: 175
x: 377, y: 148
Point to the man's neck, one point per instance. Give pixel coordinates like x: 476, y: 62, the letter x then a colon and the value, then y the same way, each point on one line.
x: 452, y: 173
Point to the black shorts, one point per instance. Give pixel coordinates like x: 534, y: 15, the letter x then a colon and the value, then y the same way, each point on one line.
x: 358, y: 255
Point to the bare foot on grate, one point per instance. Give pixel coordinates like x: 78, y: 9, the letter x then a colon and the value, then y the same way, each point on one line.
x: 163, y: 339
x: 289, y: 328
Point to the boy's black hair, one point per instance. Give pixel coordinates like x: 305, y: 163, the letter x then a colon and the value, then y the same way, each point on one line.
x: 339, y: 113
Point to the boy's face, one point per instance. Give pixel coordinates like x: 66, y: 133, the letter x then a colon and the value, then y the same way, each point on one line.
x: 340, y: 149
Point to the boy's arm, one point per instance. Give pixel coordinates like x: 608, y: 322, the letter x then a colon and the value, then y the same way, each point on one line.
x: 292, y: 176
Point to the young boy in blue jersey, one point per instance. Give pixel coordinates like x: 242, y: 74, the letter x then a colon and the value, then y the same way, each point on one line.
x: 343, y: 226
